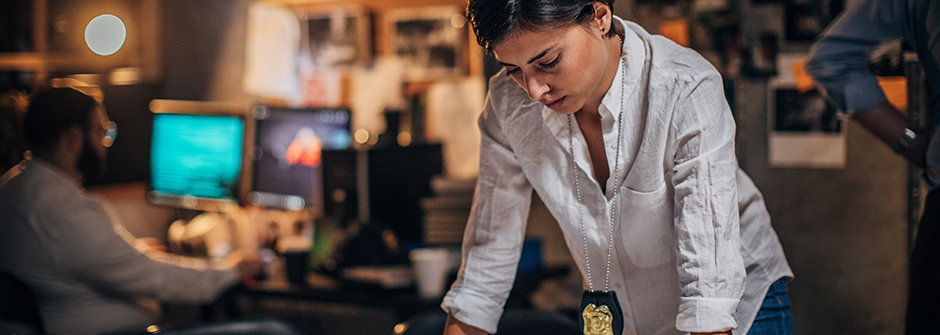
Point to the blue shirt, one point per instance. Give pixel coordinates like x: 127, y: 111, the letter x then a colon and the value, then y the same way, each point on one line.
x: 839, y: 59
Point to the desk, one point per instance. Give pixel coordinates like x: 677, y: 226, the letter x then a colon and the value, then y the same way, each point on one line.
x: 324, y: 306
x: 330, y: 306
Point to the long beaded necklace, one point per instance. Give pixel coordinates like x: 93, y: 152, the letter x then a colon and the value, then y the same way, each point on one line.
x: 600, y: 310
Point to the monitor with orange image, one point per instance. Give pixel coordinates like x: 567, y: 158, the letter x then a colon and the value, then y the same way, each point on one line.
x: 287, y: 158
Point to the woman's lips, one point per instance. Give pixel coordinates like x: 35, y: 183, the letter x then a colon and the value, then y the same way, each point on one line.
x: 556, y: 103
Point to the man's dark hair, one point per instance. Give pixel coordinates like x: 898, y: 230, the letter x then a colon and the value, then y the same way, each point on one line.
x: 494, y: 20
x: 52, y: 112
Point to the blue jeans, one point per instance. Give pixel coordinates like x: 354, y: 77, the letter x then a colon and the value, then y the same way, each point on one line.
x: 773, y: 317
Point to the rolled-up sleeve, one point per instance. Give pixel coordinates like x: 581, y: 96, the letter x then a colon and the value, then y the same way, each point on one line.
x: 839, y: 59
x: 709, y: 264
x: 493, y: 238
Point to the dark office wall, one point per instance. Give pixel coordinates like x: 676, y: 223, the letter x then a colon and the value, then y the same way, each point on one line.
x: 203, y: 49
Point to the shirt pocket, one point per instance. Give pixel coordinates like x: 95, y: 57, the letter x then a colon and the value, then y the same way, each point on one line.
x: 646, y: 226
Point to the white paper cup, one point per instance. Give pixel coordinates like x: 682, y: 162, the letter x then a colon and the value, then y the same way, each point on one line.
x: 430, y: 266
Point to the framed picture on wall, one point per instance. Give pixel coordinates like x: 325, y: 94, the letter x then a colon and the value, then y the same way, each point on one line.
x: 806, y: 19
x: 335, y: 38
x: 431, y: 41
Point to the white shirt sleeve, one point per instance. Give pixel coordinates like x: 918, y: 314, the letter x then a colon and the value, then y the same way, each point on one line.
x: 495, y: 231
x: 709, y: 263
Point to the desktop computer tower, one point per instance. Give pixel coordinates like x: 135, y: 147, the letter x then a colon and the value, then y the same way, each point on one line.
x: 382, y: 186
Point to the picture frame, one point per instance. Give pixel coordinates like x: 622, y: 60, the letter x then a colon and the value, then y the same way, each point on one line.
x: 431, y: 41
x: 336, y: 37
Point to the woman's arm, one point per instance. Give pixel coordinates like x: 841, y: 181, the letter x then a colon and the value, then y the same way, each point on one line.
x: 706, y: 219
x: 495, y: 230
x: 455, y: 327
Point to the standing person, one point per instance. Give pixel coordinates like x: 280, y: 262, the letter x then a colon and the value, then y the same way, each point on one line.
x: 839, y: 62
x: 629, y: 142
x: 81, y: 264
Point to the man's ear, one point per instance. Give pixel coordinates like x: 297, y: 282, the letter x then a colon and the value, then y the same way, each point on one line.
x: 602, y: 16
x: 72, y: 139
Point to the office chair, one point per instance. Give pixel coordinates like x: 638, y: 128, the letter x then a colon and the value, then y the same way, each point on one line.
x: 18, y: 310
x: 513, y: 322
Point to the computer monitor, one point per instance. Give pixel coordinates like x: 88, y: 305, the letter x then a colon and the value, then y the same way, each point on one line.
x: 288, y: 154
x: 196, y: 159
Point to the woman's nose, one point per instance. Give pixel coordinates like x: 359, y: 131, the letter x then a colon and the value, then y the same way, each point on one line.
x: 535, y: 87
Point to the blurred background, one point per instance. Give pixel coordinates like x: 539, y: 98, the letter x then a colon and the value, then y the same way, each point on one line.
x: 349, y: 128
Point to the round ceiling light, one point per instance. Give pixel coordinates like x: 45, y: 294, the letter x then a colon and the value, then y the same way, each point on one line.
x: 105, y: 34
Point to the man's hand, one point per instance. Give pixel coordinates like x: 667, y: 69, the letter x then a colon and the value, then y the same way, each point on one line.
x: 150, y: 246
x: 248, y: 265
x: 455, y: 327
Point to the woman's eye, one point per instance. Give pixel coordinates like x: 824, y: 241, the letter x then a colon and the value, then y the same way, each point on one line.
x: 551, y: 64
x: 512, y: 71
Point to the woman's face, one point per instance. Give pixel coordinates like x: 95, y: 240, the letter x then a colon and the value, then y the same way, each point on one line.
x: 564, y: 68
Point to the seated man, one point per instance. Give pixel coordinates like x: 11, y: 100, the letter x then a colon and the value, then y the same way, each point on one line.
x: 70, y: 249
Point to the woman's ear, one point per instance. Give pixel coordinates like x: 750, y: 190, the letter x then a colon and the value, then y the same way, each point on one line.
x: 602, y: 16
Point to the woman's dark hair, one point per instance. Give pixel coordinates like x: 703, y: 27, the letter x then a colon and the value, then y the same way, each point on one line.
x: 493, y: 20
x: 54, y: 111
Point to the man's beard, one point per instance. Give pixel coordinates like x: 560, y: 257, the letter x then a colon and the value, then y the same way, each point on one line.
x: 89, y: 163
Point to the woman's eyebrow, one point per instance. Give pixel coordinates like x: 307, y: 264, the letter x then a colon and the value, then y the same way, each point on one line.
x: 540, y: 55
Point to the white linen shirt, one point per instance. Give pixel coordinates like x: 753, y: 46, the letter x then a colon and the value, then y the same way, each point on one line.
x: 79, y: 262
x: 680, y: 262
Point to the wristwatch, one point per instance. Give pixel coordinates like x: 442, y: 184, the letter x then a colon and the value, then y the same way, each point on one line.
x: 904, y: 141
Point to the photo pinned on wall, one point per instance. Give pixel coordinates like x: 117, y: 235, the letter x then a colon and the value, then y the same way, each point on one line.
x: 804, y: 129
x: 336, y: 38
x: 808, y: 111
x: 806, y: 19
x: 432, y: 42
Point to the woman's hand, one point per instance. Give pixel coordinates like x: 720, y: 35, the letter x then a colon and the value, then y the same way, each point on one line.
x: 455, y: 327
